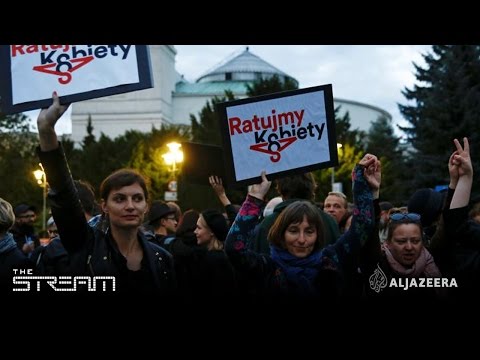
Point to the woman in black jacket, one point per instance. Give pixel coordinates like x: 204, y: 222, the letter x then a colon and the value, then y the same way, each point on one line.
x: 115, y: 246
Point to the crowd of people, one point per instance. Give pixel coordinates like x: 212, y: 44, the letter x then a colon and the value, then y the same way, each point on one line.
x: 289, y: 247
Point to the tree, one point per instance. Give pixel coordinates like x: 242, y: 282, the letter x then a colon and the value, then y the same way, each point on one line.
x: 18, y: 160
x: 206, y: 130
x: 346, y: 135
x: 147, y: 157
x: 89, y: 138
x: 446, y: 105
x: 351, y: 152
x: 264, y: 86
x: 383, y: 143
x: 16, y: 122
x: 97, y: 159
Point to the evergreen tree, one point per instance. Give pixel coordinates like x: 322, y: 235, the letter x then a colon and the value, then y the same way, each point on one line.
x: 446, y: 105
x: 270, y: 85
x: 89, y: 138
x: 383, y: 143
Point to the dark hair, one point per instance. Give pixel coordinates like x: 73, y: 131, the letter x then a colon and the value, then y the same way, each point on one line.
x: 86, y: 193
x: 406, y: 219
x: 300, y: 186
x: 475, y: 210
x: 427, y: 203
x: 121, y: 178
x: 216, y: 222
x: 293, y: 214
x: 385, y: 205
x: 189, y: 222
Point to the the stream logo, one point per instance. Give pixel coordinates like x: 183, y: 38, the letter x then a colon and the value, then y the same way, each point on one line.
x: 285, y: 128
x: 23, y: 279
x: 63, y: 60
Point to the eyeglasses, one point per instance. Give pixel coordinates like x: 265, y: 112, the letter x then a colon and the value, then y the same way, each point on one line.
x: 171, y: 218
x: 405, y: 217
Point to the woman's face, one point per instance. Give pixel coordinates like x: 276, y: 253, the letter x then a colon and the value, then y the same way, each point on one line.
x: 406, y: 244
x: 126, y: 206
x: 202, y: 232
x: 300, y: 238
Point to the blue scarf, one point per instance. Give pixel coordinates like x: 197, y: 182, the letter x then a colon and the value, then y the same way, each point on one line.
x: 7, y: 243
x: 298, y: 271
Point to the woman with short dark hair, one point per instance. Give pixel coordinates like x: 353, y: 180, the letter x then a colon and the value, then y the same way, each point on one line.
x: 115, y: 246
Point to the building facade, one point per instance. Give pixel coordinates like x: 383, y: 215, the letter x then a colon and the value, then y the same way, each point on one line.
x: 173, y: 99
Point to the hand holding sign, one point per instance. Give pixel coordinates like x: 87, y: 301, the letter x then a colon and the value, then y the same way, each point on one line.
x: 46, y: 123
x: 260, y: 190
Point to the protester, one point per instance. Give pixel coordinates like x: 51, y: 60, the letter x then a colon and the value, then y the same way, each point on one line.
x: 300, y: 264
x: 231, y: 210
x: 402, y: 257
x: 115, y: 247
x: 23, y: 230
x: 161, y: 218
x: 293, y: 188
x: 463, y: 234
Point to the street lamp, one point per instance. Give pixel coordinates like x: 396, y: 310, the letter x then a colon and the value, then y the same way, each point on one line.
x: 339, y: 146
x: 41, y: 178
x: 172, y: 157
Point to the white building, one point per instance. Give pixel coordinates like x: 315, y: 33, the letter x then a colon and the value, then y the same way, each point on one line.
x: 173, y: 99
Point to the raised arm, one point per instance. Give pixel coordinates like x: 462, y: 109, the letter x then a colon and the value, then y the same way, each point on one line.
x: 217, y: 186
x: 461, y: 159
x: 363, y: 222
x: 66, y: 208
x: 241, y: 232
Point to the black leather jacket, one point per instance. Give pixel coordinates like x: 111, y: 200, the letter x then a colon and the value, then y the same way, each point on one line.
x: 92, y: 251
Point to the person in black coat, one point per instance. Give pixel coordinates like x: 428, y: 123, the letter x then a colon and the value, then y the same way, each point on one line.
x: 11, y: 257
x: 115, y: 246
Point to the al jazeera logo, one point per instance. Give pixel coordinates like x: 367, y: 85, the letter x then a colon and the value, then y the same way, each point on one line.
x: 379, y: 281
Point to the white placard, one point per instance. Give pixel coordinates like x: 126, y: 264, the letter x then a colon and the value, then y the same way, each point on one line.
x: 69, y: 69
x: 278, y: 134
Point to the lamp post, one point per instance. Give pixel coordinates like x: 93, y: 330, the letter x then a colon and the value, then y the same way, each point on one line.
x: 41, y: 178
x: 339, y: 146
x: 172, y: 157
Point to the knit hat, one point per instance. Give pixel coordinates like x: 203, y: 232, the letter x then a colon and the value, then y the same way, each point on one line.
x: 217, y: 223
x: 428, y: 203
x: 158, y: 210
